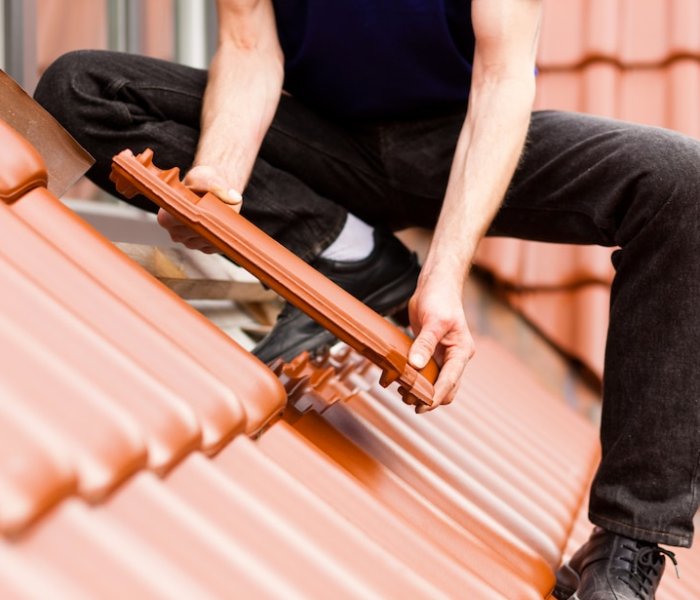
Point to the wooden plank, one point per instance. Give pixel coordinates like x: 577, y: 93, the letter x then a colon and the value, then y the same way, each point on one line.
x: 197, y: 276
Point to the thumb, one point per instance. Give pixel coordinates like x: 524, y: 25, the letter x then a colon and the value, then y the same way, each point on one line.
x: 204, y: 179
x: 422, y: 348
x: 227, y: 196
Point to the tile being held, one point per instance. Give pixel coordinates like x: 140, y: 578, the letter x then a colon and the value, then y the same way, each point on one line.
x: 338, y: 311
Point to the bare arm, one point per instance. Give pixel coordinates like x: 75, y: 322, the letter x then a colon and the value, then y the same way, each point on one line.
x: 243, y: 90
x: 245, y: 83
x: 489, y: 146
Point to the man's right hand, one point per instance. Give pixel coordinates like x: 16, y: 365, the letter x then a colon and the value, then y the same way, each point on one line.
x: 244, y: 85
x: 200, y: 179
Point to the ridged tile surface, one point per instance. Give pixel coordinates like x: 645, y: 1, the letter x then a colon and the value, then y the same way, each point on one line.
x: 142, y: 454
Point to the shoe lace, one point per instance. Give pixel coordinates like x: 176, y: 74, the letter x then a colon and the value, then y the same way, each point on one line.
x: 646, y: 568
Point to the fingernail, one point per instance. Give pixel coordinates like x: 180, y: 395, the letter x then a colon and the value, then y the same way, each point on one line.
x: 235, y: 196
x: 418, y: 360
x: 230, y: 197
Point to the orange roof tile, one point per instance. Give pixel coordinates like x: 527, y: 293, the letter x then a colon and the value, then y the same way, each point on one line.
x: 630, y: 33
x: 109, y: 494
x: 199, y: 345
x: 299, y: 283
x: 38, y: 475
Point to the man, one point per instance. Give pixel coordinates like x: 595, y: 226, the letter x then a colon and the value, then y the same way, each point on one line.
x: 373, y: 132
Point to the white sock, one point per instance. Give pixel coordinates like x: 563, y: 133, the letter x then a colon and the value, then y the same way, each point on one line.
x: 355, y: 242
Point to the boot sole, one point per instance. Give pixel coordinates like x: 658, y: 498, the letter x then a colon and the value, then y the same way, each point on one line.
x: 567, y: 584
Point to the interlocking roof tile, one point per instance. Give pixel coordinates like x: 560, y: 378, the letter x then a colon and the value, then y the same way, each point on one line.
x: 72, y: 288
x: 299, y: 283
x: 199, y: 343
x: 111, y: 495
x: 169, y: 427
x: 551, y: 311
x: 435, y: 547
x: 630, y: 33
x: 38, y: 475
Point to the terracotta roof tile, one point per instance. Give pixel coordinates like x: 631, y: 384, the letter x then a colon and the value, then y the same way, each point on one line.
x: 626, y: 32
x: 69, y: 286
x: 433, y: 541
x: 38, y: 474
x: 357, y: 496
x: 581, y: 337
x: 168, y: 426
x: 105, y: 335
x: 194, y: 342
x: 103, y: 454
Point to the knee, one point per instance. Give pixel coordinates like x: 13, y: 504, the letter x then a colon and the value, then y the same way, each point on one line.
x: 671, y: 163
x: 60, y: 86
x: 662, y: 190
x: 677, y: 178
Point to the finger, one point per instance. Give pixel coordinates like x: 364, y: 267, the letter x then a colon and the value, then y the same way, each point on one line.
x: 406, y: 396
x: 182, y: 234
x: 204, y: 179
x: 413, y: 315
x: 423, y: 408
x: 423, y: 347
x: 201, y: 244
x: 201, y: 178
x: 227, y: 196
x: 182, y: 231
x: 166, y: 220
x: 447, y: 384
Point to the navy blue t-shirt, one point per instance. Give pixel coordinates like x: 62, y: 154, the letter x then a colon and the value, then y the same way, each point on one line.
x: 362, y: 59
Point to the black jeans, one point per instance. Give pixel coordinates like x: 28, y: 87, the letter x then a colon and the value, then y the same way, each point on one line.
x: 581, y: 180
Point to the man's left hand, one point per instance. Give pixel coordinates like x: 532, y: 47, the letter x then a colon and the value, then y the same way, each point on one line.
x: 438, y: 320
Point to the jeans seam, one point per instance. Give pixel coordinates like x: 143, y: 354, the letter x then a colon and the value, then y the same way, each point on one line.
x: 655, y: 532
x: 694, y: 489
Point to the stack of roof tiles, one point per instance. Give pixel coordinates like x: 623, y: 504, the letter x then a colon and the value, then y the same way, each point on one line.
x: 143, y: 453
x: 637, y: 60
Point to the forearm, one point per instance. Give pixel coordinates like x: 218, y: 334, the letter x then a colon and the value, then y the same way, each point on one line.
x: 489, y: 147
x: 487, y: 154
x: 242, y: 94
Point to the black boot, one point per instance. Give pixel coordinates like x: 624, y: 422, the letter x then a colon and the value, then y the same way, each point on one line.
x: 384, y: 281
x: 612, y: 567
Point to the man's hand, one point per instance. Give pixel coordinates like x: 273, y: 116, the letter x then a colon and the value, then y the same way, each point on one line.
x: 200, y: 179
x: 437, y: 318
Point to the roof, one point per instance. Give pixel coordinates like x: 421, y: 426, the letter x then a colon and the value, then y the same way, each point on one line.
x: 143, y: 453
